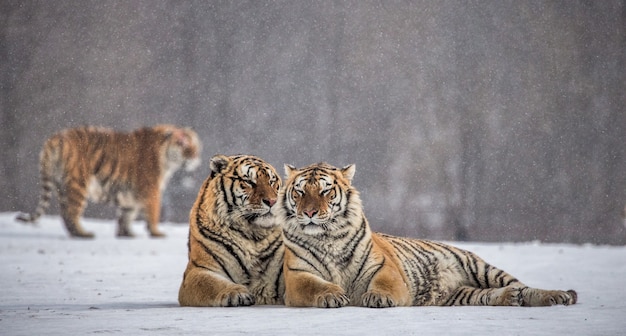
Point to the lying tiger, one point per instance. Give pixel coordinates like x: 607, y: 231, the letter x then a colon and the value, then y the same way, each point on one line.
x: 333, y: 259
x: 130, y: 170
x: 235, y: 245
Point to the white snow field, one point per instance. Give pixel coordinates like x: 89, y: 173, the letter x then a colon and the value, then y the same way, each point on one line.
x: 51, y: 284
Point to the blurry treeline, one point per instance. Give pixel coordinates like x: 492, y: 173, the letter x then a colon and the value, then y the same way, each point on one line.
x: 467, y: 120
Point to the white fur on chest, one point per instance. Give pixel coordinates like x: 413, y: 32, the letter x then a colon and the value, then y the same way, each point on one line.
x: 168, y: 170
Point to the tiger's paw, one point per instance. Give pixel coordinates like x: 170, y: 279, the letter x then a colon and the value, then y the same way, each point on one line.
x: 573, y: 297
x: 157, y: 234
x: 509, y: 296
x: 83, y: 235
x: 332, y: 298
x: 235, y: 297
x: 125, y: 234
x: 376, y: 299
x: 539, y: 297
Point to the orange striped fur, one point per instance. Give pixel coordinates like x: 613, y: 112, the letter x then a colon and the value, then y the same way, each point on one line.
x: 129, y: 170
x: 235, y: 245
x: 333, y: 259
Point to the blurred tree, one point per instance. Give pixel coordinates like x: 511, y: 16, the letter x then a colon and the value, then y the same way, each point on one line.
x: 481, y: 121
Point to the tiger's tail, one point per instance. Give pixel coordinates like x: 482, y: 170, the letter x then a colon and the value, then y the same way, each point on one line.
x: 49, y: 158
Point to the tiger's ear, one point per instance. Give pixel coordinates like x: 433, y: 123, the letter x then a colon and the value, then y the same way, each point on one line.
x: 289, y: 170
x: 348, y: 172
x: 218, y: 163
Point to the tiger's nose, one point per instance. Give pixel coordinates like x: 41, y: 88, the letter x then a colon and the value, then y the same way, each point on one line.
x: 310, y: 213
x: 269, y: 201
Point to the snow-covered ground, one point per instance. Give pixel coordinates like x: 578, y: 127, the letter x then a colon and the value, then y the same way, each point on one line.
x: 51, y: 284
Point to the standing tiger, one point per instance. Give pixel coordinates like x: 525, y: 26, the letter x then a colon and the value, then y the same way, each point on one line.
x: 129, y: 170
x: 235, y: 245
x: 333, y: 259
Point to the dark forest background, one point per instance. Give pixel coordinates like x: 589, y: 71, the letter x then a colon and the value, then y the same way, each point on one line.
x: 467, y: 120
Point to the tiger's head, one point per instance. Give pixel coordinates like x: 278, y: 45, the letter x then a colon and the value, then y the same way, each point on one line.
x: 319, y: 198
x: 182, y: 147
x: 246, y: 188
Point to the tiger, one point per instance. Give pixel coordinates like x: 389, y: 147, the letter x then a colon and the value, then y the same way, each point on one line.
x: 235, y: 247
x: 129, y: 170
x: 333, y: 259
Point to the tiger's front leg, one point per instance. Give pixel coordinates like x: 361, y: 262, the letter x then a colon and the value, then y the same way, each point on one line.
x: 153, y: 215
x: 303, y: 289
x: 202, y: 287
